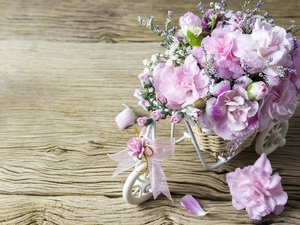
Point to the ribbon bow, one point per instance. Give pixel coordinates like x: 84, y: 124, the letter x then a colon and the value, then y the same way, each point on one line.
x: 163, y: 149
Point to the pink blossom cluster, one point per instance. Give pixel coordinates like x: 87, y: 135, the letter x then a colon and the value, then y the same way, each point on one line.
x: 255, y: 189
x: 245, y: 68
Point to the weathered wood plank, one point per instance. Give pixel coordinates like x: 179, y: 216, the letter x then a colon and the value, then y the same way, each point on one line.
x: 61, y: 85
x: 58, y: 102
x: 87, y: 210
x: 107, y: 21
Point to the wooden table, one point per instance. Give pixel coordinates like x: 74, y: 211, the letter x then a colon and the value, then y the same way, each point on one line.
x: 66, y: 67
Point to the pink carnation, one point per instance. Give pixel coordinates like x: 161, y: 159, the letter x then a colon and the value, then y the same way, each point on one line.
x: 263, y: 43
x: 232, y: 115
x: 221, y: 44
x: 181, y: 85
x: 279, y: 104
x: 254, y: 188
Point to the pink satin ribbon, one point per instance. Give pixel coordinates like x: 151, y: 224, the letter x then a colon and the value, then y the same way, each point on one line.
x: 163, y: 149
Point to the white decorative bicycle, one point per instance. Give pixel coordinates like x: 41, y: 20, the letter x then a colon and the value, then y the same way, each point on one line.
x: 137, y: 188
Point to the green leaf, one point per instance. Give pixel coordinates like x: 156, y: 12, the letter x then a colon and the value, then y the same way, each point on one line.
x: 192, y: 39
x: 144, y: 94
x: 213, y: 23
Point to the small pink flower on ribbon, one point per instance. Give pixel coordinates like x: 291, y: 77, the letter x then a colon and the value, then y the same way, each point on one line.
x: 125, y: 118
x: 154, y: 151
x: 192, y: 205
x: 136, y: 148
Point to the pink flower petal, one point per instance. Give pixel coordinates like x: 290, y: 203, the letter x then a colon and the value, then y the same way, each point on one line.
x: 125, y: 118
x: 191, y: 205
x: 263, y: 163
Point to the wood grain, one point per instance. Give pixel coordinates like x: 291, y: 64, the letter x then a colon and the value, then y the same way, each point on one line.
x: 107, y: 21
x: 66, y: 67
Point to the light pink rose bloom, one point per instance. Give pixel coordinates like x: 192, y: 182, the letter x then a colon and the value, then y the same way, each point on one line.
x: 161, y: 98
x: 157, y: 114
x: 232, y: 115
x: 257, y: 90
x: 263, y: 43
x: 137, y: 94
x: 220, y: 44
x: 125, y: 118
x: 279, y: 104
x: 189, y: 21
x: 144, y: 78
x: 255, y: 189
x: 143, y: 102
x: 176, y: 118
x: 142, y: 121
x: 181, y: 85
x: 136, y: 147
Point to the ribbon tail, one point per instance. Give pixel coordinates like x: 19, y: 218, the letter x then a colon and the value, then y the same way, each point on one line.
x: 158, y: 180
x: 124, y: 161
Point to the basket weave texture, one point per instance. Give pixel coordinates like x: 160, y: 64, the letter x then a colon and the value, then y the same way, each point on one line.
x: 216, y: 145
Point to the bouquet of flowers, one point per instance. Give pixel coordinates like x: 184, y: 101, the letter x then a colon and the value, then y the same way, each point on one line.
x: 232, y: 72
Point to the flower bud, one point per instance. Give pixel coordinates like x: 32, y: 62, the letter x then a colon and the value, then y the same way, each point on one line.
x: 257, y: 90
x: 125, y: 118
x: 190, y: 25
x: 144, y: 121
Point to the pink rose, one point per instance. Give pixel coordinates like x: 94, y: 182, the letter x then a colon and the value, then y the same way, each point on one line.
x: 232, y: 115
x: 176, y: 118
x: 143, y: 102
x: 161, y: 98
x: 144, y: 79
x: 279, y: 104
x: 136, y: 147
x: 181, y: 85
x: 257, y: 90
x: 143, y: 121
x: 157, y: 115
x: 254, y: 188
